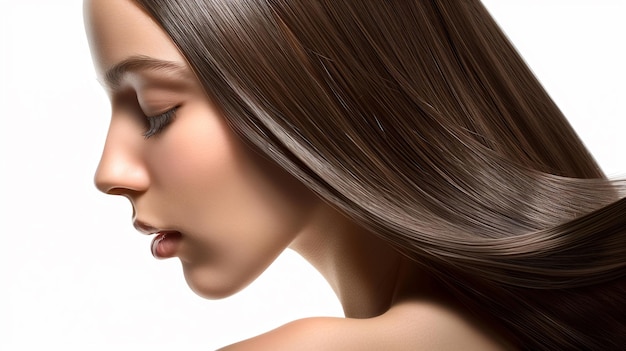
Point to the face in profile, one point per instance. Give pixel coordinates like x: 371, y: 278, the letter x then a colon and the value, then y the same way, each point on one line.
x: 222, y: 209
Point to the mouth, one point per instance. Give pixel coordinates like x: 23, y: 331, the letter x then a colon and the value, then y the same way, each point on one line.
x: 165, y: 244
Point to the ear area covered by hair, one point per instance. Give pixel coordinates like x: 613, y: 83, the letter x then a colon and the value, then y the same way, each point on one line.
x: 420, y: 121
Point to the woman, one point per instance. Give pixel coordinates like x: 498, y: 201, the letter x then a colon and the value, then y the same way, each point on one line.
x: 401, y: 147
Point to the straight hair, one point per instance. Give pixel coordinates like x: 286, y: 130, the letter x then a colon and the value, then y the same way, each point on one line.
x: 420, y: 121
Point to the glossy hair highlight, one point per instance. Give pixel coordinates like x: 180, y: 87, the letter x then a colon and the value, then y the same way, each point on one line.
x: 421, y: 122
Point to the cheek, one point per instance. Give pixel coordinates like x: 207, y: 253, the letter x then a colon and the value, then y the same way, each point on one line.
x: 241, y: 211
x: 244, y: 217
x: 191, y: 156
x: 206, y: 168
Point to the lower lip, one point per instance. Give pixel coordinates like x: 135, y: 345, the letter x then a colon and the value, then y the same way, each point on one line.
x: 165, y: 244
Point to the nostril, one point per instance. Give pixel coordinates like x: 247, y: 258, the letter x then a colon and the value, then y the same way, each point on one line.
x: 121, y: 176
x: 107, y: 187
x: 104, y: 183
x: 116, y: 191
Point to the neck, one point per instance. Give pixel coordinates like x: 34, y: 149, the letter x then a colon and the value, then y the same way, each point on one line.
x: 366, y: 273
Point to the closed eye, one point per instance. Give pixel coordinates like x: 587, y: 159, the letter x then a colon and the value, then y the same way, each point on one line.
x: 157, y: 123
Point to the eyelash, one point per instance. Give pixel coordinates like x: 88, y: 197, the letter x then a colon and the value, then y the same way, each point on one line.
x: 156, y: 124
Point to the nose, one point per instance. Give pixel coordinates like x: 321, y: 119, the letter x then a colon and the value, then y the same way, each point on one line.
x: 121, y: 170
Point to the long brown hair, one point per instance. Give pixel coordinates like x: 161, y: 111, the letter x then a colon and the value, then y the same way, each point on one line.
x: 419, y: 120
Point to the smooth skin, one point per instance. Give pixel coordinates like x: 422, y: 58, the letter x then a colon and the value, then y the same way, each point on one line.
x: 237, y: 211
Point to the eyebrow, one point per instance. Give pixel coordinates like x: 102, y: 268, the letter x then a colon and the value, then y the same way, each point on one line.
x: 114, y: 75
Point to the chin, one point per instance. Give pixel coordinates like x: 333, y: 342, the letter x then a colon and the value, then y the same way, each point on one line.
x: 213, y: 288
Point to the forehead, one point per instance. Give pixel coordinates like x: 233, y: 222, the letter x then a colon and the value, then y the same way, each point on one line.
x: 119, y: 29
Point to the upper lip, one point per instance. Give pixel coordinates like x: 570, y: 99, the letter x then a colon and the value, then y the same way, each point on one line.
x: 145, y: 228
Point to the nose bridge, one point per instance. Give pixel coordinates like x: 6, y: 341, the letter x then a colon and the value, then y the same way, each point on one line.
x: 121, y: 168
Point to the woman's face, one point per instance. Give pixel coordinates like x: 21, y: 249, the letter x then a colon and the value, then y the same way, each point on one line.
x: 228, y: 211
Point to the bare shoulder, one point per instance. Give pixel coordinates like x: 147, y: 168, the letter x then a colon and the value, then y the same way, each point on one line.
x: 319, y: 333
x: 407, y: 326
x: 424, y: 325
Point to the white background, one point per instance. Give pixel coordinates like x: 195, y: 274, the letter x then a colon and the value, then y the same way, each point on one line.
x: 74, y: 274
